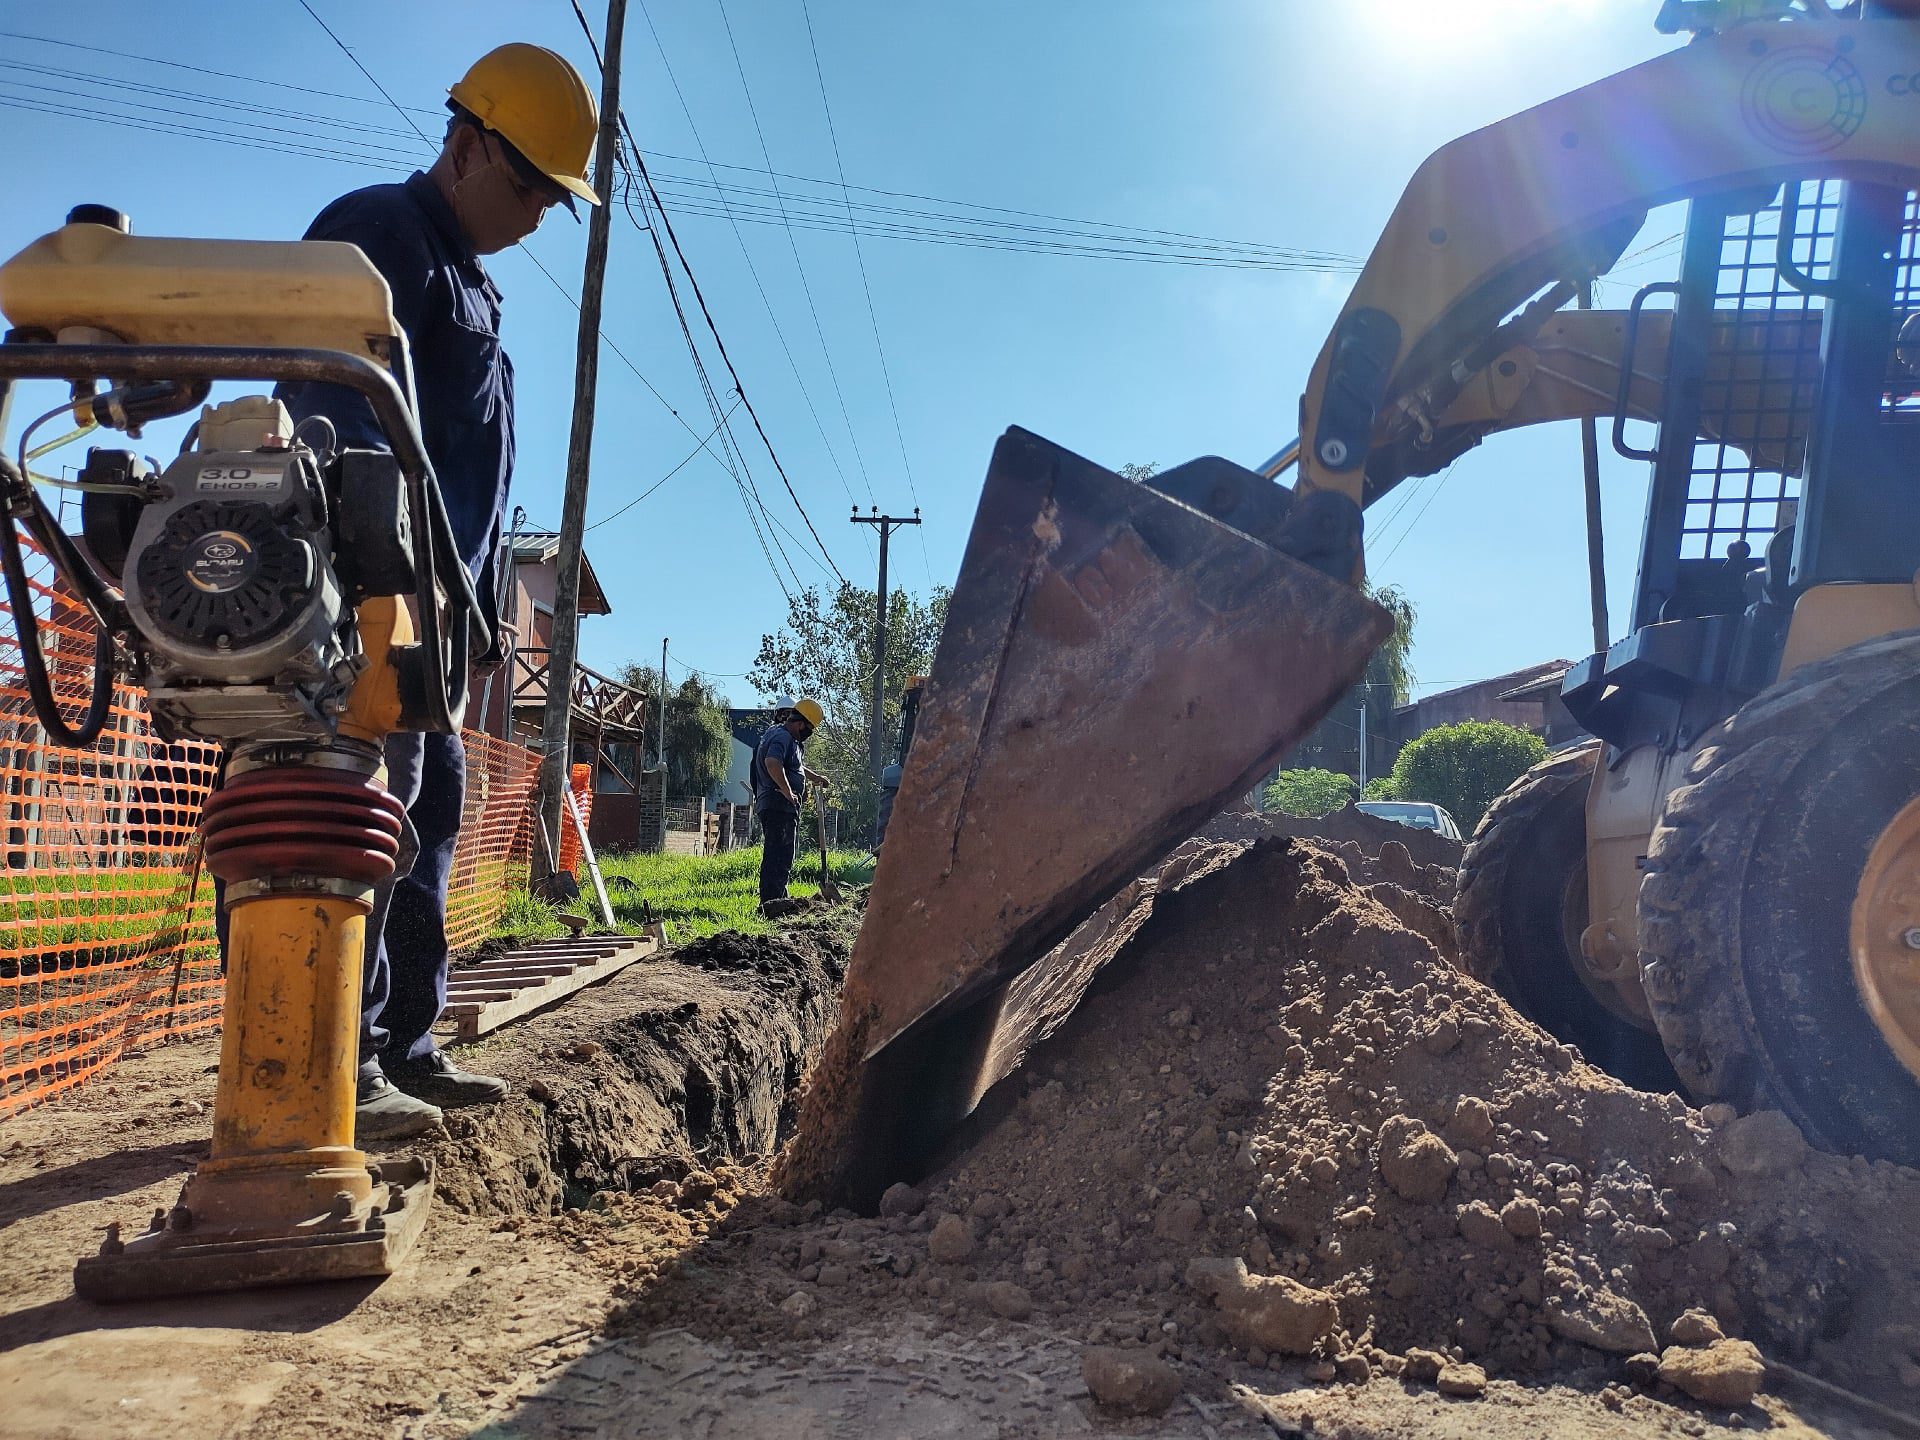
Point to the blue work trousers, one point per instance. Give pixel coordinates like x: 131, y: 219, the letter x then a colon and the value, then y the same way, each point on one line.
x: 778, y: 827
x: 404, y: 976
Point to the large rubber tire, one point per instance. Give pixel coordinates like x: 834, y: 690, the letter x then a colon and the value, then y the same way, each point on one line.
x: 1746, y: 903
x: 1520, y: 908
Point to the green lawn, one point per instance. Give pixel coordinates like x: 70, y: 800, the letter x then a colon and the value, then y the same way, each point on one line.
x: 695, y: 896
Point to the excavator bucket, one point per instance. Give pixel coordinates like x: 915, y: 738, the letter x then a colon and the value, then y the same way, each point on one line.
x: 1116, y: 667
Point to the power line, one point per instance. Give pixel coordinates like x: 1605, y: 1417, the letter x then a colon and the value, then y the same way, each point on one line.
x: 872, y: 316
x: 1414, y: 523
x: 719, y: 419
x: 281, y: 86
x: 1099, y: 237
x: 752, y: 269
x: 794, y: 244
x: 734, y: 463
x: 692, y: 195
x: 363, y: 70
x: 604, y: 519
x: 706, y: 314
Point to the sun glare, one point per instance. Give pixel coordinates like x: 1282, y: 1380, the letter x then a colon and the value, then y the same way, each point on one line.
x: 1451, y: 29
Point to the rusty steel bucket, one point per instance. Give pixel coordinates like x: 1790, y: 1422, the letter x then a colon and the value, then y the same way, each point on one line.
x: 1116, y: 667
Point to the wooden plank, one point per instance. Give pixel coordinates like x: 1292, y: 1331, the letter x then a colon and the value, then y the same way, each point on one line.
x: 478, y: 1012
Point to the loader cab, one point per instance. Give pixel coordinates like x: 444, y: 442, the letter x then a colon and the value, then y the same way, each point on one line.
x: 1787, y: 458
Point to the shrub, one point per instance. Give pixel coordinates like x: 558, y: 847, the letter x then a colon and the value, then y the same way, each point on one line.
x: 1464, y: 767
x: 1308, y: 794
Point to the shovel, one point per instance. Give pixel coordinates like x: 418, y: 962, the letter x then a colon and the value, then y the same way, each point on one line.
x: 827, y: 886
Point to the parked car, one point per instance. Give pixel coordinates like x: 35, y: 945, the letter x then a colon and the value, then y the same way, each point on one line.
x: 1420, y: 814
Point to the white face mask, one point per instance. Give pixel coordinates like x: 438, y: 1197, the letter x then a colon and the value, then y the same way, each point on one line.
x: 491, y: 205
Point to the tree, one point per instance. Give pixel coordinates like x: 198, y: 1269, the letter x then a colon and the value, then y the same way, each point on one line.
x: 699, y: 739
x: 1308, y: 794
x: 826, y: 650
x: 1464, y: 767
x: 1379, y: 788
x: 1334, y: 743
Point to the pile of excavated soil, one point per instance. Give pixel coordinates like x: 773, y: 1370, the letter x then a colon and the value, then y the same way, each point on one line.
x: 1282, y: 1126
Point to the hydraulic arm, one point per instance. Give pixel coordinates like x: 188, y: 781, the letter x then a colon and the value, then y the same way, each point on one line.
x: 1496, y: 228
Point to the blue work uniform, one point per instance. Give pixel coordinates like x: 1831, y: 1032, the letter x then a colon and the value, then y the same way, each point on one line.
x: 779, y: 816
x: 450, y: 310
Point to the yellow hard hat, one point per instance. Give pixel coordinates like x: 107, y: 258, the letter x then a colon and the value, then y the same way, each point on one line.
x: 809, y: 711
x: 537, y: 102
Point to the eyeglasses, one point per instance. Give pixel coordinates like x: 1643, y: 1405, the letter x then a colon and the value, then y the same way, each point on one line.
x: 531, y: 187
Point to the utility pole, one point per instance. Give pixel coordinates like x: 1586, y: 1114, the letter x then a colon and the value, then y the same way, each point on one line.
x: 660, y: 749
x: 1596, y: 547
x: 1363, y: 748
x: 886, y: 525
x: 564, y: 647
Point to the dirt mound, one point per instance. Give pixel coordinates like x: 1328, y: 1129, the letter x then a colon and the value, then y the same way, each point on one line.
x: 1345, y: 826
x: 1282, y: 1123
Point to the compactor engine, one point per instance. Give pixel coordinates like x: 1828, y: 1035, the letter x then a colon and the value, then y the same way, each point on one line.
x: 291, y: 599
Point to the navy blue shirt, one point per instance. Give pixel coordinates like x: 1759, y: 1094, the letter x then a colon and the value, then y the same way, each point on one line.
x: 777, y: 744
x: 463, y: 380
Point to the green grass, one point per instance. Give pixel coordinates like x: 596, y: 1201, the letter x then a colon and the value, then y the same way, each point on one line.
x: 696, y: 896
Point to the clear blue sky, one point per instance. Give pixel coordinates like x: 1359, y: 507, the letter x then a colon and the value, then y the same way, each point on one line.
x: 1282, y: 122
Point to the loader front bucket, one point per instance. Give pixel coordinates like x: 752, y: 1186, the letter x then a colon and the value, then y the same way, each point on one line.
x: 1116, y: 666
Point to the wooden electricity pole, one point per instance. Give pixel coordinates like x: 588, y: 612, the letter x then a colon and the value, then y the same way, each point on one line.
x: 876, y: 746
x: 563, y: 651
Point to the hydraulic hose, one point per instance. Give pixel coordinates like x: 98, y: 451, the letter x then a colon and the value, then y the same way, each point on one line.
x: 26, y: 624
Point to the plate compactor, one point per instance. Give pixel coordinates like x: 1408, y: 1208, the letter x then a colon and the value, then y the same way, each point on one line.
x: 292, y: 600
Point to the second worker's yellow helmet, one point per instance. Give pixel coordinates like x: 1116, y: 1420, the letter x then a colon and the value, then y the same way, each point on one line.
x: 536, y: 101
x: 809, y: 711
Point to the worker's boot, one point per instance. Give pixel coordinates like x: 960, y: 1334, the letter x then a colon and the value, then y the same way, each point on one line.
x: 383, y: 1111
x: 438, y: 1081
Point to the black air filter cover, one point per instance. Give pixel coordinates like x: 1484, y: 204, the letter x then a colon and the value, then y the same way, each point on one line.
x: 225, y: 568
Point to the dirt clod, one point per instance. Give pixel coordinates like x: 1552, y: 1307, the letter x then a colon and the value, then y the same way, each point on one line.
x: 1601, y: 1319
x: 1461, y: 1379
x: 902, y: 1199
x: 1764, y: 1143
x: 1276, y: 1313
x: 1418, y: 1164
x: 1725, y: 1373
x: 951, y: 1241
x: 1694, y: 1327
x: 1129, y: 1382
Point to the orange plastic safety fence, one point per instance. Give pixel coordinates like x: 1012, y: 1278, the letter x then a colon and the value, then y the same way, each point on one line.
x: 580, y: 781
x: 106, y: 919
x: 496, y: 836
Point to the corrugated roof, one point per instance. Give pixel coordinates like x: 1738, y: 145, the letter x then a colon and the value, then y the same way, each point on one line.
x: 1512, y: 680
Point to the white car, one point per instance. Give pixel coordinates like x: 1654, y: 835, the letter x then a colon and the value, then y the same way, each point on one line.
x: 1420, y: 814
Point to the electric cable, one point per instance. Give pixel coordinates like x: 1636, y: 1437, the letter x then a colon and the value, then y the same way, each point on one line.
x: 800, y: 269
x: 859, y: 255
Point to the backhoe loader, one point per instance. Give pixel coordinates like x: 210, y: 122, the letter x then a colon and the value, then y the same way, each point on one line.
x: 1724, y: 889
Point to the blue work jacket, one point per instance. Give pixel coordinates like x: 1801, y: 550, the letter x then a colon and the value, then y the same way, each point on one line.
x: 450, y: 310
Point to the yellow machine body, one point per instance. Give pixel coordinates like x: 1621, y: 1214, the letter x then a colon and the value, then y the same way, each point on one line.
x: 1456, y: 330
x: 155, y: 290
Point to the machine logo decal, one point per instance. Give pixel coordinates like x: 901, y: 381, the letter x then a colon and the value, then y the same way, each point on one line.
x: 1805, y: 100
x: 219, y: 562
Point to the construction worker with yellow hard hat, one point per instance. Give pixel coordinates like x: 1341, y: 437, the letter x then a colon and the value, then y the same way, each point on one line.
x: 518, y: 142
x: 780, y: 776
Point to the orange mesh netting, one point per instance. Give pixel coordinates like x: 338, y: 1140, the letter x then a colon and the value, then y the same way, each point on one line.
x: 580, y: 781
x: 496, y: 836
x: 106, y: 919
